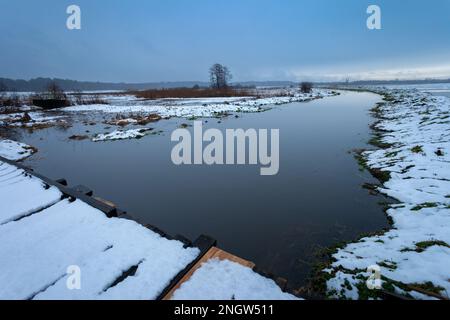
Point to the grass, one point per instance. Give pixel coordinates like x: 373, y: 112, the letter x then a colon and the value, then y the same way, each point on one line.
x: 424, y: 206
x: 388, y: 265
x: 381, y: 175
x: 192, y: 93
x: 376, y: 141
x: 81, y: 99
x: 11, y: 104
x: 417, y: 149
x: 392, y: 154
x: 317, y: 282
x: 362, y: 162
x: 422, y: 246
x: 428, y: 287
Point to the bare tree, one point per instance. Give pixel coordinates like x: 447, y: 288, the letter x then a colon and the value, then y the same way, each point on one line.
x: 55, y: 92
x: 306, y: 87
x: 219, y: 76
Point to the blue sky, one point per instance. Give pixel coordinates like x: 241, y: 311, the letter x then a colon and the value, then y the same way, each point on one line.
x: 177, y: 40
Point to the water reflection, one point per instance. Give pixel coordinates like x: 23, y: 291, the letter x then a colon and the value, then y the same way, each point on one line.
x: 279, y: 222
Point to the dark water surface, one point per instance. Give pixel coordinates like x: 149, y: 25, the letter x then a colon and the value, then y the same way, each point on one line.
x: 278, y: 222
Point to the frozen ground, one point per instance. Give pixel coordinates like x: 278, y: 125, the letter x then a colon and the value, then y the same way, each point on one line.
x: 414, y: 130
x: 13, y: 150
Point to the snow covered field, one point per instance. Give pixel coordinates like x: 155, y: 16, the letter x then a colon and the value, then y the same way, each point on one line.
x: 189, y: 108
x: 414, y: 130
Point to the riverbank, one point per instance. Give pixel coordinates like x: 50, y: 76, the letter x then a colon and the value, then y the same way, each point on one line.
x: 413, y: 163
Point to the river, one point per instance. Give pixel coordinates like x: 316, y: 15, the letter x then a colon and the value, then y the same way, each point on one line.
x: 279, y: 222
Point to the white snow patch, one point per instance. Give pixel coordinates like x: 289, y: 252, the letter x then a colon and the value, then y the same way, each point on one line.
x: 13, y: 150
x: 36, y: 118
x: 22, y: 194
x: 37, y: 250
x: 122, y: 134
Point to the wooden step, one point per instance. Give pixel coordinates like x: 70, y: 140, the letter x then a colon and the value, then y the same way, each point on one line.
x: 213, y: 253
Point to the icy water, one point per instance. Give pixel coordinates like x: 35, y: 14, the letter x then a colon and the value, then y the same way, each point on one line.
x: 279, y: 222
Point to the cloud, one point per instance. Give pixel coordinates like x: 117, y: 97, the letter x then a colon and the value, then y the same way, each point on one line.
x: 433, y: 72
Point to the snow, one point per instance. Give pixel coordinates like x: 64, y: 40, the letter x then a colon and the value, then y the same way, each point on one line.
x: 226, y: 280
x: 76, y: 234
x: 37, y: 250
x: 202, y: 107
x: 37, y: 118
x: 43, y: 235
x: 13, y: 150
x: 122, y: 134
x: 22, y: 194
x: 416, y: 124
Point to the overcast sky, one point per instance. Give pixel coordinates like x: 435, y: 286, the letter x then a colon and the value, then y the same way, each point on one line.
x: 177, y: 40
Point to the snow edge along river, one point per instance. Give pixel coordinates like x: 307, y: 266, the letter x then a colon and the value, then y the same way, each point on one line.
x: 414, y: 163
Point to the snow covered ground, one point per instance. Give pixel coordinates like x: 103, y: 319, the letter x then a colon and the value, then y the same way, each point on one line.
x: 30, y: 119
x: 415, y: 128
x: 15, y: 151
x: 127, y: 104
x: 189, y: 108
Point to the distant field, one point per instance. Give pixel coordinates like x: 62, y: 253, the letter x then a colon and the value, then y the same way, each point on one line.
x: 193, y: 93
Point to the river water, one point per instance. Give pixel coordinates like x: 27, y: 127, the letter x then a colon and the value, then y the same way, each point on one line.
x: 279, y: 222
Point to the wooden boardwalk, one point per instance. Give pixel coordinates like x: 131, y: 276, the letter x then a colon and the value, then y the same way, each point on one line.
x: 46, y: 227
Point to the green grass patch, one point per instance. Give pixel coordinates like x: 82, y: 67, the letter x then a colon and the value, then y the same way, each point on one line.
x: 428, y: 286
x: 417, y: 149
x: 376, y: 141
x: 422, y: 246
x: 424, y: 206
x: 392, y: 154
x: 388, y: 265
x: 381, y: 175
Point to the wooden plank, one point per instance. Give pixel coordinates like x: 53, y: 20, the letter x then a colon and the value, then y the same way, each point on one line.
x: 213, y: 253
x: 428, y: 293
x: 106, y: 202
x: 222, y: 255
